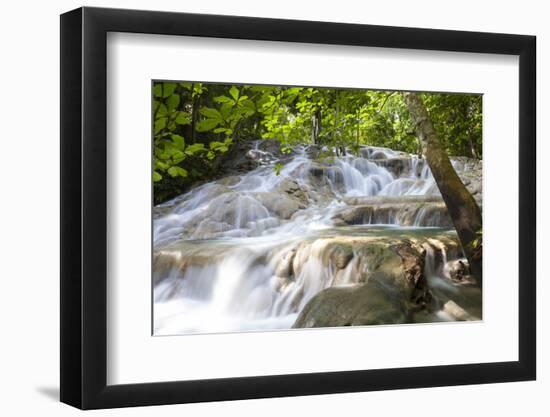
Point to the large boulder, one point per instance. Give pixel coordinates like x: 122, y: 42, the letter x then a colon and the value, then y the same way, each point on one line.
x: 354, y: 305
x: 410, y: 213
x: 390, y: 284
x: 291, y: 188
x: 281, y: 205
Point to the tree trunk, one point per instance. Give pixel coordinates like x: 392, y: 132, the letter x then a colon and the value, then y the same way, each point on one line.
x: 335, y: 135
x: 194, y: 111
x: 357, y: 121
x: 462, y: 207
x: 316, y: 126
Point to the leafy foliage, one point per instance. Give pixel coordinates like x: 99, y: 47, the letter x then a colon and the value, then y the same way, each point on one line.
x: 177, y: 162
x: 196, y: 124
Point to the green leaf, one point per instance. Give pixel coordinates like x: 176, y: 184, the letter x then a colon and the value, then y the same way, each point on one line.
x: 249, y: 105
x: 178, y: 140
x: 219, y: 146
x: 156, y: 176
x: 173, y: 102
x: 157, y: 90
x: 170, y: 149
x: 160, y: 165
x: 168, y: 89
x: 223, y: 99
x: 178, y: 157
x: 225, y: 109
x: 162, y: 111
x: 216, y: 144
x: 176, y: 171
x: 264, y: 100
x: 207, y: 124
x: 211, y: 113
x: 194, y: 149
x: 234, y: 91
x: 183, y: 118
x: 278, y: 168
x: 160, y: 124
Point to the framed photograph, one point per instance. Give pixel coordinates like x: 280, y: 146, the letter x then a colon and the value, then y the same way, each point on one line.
x: 256, y: 208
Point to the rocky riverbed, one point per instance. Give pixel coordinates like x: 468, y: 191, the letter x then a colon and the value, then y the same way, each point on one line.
x: 354, y: 240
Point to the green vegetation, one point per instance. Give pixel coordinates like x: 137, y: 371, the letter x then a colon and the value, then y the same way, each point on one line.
x: 197, y: 124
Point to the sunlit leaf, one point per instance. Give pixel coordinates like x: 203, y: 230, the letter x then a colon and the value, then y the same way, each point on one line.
x: 223, y: 99
x: 195, y: 149
x: 210, y: 113
x: 207, y: 124
x: 177, y: 171
x: 234, y: 91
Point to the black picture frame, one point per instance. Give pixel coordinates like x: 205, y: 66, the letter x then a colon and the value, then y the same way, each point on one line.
x: 84, y: 207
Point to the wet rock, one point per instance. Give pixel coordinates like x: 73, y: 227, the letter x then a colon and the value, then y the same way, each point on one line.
x: 199, y: 195
x: 378, y: 155
x: 392, y: 200
x: 342, y: 256
x: 395, y: 165
x: 273, y: 146
x: 413, y: 261
x: 425, y: 214
x: 229, y: 181
x: 316, y: 170
x: 457, y: 312
x: 459, y: 269
x: 282, y: 262
x: 293, y: 189
x: 175, y: 259
x: 356, y: 305
x: 234, y: 208
x: 470, y: 171
x: 339, y: 254
x: 281, y: 205
x: 313, y: 151
x: 237, y: 160
x: 208, y: 229
x: 260, y: 157
x: 389, y: 275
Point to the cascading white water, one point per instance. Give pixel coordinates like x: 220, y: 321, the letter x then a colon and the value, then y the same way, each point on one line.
x: 221, y: 250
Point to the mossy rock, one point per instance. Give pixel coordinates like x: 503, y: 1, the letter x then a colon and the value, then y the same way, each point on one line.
x: 353, y: 305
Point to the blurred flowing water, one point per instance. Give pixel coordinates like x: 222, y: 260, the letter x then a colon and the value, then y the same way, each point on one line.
x: 222, y: 251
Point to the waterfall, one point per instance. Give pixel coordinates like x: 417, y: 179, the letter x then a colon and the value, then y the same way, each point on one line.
x: 248, y: 252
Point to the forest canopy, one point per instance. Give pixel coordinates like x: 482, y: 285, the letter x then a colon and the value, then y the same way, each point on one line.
x: 195, y: 124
